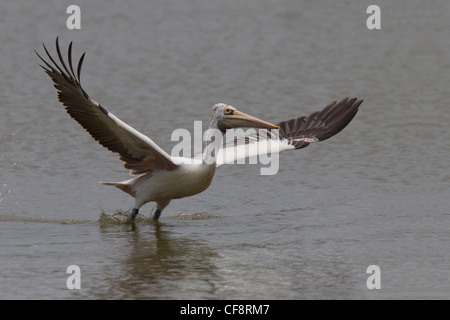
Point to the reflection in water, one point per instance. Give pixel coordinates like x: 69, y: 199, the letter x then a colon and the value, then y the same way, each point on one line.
x: 153, y: 263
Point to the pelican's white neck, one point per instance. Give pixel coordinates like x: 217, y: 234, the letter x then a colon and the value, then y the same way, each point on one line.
x: 213, y: 138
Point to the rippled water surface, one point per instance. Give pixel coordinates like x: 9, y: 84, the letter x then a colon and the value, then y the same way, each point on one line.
x: 376, y: 194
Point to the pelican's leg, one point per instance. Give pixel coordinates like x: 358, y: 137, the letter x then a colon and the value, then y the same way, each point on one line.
x: 134, y: 214
x: 156, y: 215
x: 160, y: 205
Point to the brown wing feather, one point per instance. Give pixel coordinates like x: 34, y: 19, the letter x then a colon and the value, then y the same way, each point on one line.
x: 140, y: 154
x: 319, y: 125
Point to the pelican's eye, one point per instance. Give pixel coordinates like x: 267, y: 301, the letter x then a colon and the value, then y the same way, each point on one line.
x: 228, y: 110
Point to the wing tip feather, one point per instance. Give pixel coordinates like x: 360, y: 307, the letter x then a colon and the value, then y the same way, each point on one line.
x: 320, y: 125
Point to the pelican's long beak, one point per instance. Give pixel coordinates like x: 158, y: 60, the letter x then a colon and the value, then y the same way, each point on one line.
x: 239, y: 119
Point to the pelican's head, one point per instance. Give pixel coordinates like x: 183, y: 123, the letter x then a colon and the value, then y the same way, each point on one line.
x: 226, y: 117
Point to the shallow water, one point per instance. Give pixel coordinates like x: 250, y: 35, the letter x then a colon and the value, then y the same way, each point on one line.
x: 376, y: 194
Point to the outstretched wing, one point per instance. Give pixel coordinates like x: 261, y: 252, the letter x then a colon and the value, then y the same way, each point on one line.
x: 139, y: 152
x: 293, y: 134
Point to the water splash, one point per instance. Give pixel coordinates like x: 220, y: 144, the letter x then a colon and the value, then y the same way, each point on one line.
x: 122, y: 217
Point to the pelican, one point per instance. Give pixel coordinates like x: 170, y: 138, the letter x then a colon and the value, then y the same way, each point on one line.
x: 161, y: 178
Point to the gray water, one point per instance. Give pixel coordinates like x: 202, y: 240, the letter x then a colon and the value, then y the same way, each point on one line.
x: 376, y: 194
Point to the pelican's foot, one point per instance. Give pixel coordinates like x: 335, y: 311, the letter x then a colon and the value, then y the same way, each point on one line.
x: 156, y: 215
x: 134, y: 213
